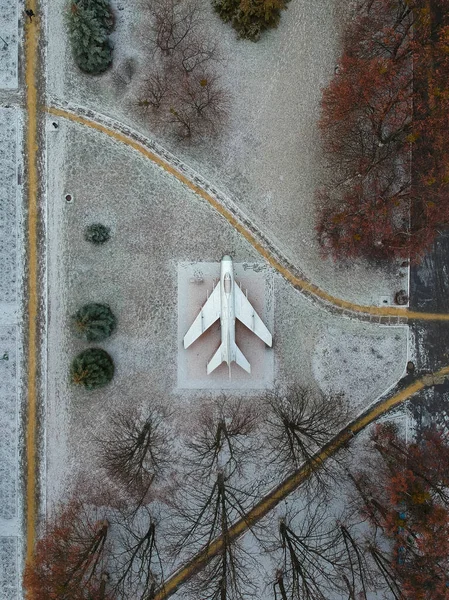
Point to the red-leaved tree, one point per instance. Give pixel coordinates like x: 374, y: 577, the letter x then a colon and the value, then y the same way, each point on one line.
x: 384, y: 124
x: 408, y: 501
x: 69, y: 560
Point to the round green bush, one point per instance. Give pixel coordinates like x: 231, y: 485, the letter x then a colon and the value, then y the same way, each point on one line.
x: 97, y: 233
x: 92, y: 368
x: 94, y: 322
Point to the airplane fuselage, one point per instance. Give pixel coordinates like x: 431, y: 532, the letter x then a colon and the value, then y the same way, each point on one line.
x: 227, y: 302
x: 227, y: 317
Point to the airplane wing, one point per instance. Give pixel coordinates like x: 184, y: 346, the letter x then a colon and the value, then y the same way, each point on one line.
x: 206, y: 317
x: 248, y: 316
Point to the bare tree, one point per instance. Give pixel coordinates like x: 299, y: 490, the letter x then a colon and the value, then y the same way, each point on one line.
x: 137, y: 449
x: 155, y: 90
x: 96, y: 546
x: 363, y: 566
x: 206, y: 513
x: 137, y: 568
x: 71, y: 559
x: 308, y: 545
x: 195, y: 52
x: 173, y: 22
x: 357, y: 575
x: 183, y: 92
x: 198, y: 104
x: 224, y: 438
x: 226, y: 577
x: 300, y: 422
x: 206, y: 510
x: 192, y: 104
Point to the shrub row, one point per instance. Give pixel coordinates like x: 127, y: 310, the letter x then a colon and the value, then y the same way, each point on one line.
x: 93, y: 322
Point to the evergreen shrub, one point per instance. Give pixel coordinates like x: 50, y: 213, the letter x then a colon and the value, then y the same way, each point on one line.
x: 97, y: 233
x: 250, y: 17
x: 90, y: 23
x: 92, y: 368
x: 94, y: 322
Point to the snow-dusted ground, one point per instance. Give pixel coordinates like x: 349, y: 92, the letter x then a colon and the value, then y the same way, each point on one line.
x: 9, y: 500
x: 156, y: 224
x: 8, y: 45
x: 345, y: 361
x: 267, y: 158
x: 10, y: 349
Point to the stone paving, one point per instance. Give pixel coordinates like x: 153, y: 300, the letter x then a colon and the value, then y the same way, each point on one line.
x: 8, y: 568
x: 8, y: 204
x: 8, y: 422
x: 8, y: 45
x: 9, y: 344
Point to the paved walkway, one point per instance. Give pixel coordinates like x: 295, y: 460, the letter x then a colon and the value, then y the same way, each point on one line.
x: 10, y: 352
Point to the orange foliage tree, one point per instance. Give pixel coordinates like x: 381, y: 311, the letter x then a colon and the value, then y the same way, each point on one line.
x: 409, y: 501
x: 97, y: 547
x: 384, y: 124
x: 69, y: 561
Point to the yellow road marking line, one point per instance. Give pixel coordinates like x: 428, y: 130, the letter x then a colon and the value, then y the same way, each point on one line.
x: 31, y: 63
x: 291, y: 483
x: 377, y: 311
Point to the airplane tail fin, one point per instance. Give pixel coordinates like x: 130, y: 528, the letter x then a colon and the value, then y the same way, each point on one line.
x: 241, y: 360
x: 216, y: 360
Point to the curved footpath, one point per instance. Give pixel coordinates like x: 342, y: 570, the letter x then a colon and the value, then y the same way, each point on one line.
x: 262, y: 508
x: 229, y: 210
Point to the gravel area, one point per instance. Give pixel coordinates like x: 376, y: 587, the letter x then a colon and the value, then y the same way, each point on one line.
x: 267, y: 158
x: 356, y: 365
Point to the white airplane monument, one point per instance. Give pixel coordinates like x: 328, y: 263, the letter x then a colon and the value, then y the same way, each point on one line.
x: 227, y: 303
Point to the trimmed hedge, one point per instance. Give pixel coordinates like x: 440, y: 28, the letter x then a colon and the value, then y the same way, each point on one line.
x: 92, y: 368
x: 90, y: 23
x: 94, y: 322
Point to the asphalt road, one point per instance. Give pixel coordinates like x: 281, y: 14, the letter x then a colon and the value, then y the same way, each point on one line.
x: 429, y: 292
